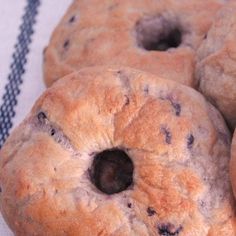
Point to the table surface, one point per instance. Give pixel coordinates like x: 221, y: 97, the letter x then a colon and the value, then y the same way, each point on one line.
x: 47, y: 14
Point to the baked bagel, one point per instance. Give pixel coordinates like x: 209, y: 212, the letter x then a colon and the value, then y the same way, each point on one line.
x: 116, y: 151
x: 216, y: 63
x: 155, y: 36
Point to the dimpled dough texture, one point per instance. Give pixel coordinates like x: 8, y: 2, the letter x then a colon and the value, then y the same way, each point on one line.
x: 155, y: 36
x: 178, y: 144
x: 216, y: 67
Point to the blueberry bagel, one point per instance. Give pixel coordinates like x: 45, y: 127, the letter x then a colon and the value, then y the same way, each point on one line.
x: 155, y: 36
x: 216, y: 63
x: 116, y: 151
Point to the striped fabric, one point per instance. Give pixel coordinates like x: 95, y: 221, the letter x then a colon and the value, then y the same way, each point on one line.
x: 25, y: 27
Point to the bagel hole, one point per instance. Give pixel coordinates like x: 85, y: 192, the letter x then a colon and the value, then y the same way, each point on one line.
x: 158, y: 34
x: 112, y: 171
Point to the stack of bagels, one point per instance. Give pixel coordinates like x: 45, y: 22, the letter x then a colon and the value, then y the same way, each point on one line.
x: 133, y: 135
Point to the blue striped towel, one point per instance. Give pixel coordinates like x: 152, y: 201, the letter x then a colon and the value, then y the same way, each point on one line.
x: 25, y: 27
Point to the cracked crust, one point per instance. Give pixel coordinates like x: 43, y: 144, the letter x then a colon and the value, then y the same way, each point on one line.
x: 216, y: 66
x: 181, y: 184
x: 108, y: 33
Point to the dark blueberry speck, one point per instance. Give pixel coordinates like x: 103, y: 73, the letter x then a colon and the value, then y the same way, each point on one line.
x: 0, y: 189
x: 177, y: 108
x: 151, y: 211
x: 169, y: 229
x: 53, y: 132
x: 41, y: 116
x: 167, y: 134
x: 126, y: 100
x: 202, y: 203
x: 146, y: 89
x: 66, y: 44
x: 72, y: 19
x: 129, y: 205
x: 190, y: 141
x: 175, y: 105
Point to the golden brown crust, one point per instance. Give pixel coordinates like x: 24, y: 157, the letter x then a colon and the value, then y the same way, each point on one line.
x: 178, y: 143
x: 216, y: 64
x: 108, y: 32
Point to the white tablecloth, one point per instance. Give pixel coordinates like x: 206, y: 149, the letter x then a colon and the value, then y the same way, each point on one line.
x: 47, y: 14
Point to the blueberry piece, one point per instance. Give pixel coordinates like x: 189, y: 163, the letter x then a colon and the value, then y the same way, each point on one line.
x: 169, y: 229
x: 126, y: 100
x: 175, y: 105
x: 129, y: 205
x: 53, y: 131
x: 177, y: 108
x: 41, y: 117
x: 66, y: 44
x: 167, y: 134
x: 151, y: 211
x: 190, y: 141
x: 72, y: 19
x: 146, y: 89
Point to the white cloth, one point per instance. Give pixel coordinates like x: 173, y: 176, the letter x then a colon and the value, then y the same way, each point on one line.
x: 11, y: 12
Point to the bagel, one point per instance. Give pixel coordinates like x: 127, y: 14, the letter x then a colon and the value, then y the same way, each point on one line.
x: 216, y: 63
x: 117, y: 151
x: 160, y: 37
